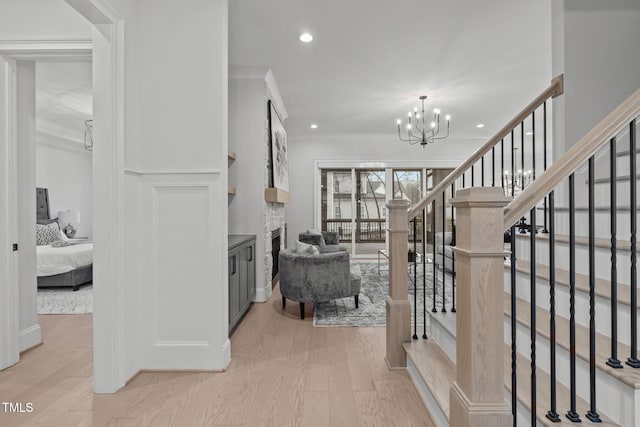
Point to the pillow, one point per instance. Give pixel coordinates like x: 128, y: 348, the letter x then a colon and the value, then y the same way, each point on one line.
x: 313, y: 231
x: 306, y: 249
x: 45, y: 234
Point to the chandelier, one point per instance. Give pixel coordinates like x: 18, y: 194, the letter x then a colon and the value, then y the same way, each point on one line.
x: 420, y: 133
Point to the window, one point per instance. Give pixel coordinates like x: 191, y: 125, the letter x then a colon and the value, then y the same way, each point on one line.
x: 336, y: 212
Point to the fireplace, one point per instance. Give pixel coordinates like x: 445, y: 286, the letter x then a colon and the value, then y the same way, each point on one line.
x: 275, y: 251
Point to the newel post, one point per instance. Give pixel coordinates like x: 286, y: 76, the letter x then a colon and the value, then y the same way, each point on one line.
x: 477, y: 395
x: 398, y: 306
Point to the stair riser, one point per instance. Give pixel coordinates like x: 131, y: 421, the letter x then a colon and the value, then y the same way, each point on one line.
x: 437, y: 414
x: 444, y: 336
x: 602, y: 259
x: 603, y: 307
x: 614, y: 398
x: 602, y: 221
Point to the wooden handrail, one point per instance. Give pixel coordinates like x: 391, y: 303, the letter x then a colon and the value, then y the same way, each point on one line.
x: 556, y: 88
x: 588, y: 145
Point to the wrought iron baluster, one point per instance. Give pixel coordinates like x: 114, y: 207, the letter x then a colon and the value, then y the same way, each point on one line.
x: 544, y: 159
x: 473, y: 174
x: 552, y: 414
x: 482, y: 171
x: 514, y: 354
x: 415, y: 278
x: 593, y: 413
x: 532, y: 319
x: 572, y: 414
x: 444, y: 228
x: 493, y: 166
x: 424, y: 273
x: 433, y: 241
x: 613, y: 361
x: 633, y: 358
x: 453, y: 256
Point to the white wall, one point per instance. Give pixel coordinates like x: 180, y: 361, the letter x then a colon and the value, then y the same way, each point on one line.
x: 246, y: 138
x: 67, y: 173
x: 41, y: 19
x: 595, y: 45
x: 175, y: 184
x: 377, y: 149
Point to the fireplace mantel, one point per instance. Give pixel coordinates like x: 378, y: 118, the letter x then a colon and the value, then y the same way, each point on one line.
x: 276, y: 195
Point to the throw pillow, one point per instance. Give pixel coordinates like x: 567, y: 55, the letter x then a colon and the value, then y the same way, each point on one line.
x: 306, y: 249
x: 313, y: 231
x: 45, y: 234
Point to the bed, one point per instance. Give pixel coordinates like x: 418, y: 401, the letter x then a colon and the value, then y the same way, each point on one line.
x: 69, y: 265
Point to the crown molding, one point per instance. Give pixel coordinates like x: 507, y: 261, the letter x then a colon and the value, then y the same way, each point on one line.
x: 44, y: 48
x: 266, y: 74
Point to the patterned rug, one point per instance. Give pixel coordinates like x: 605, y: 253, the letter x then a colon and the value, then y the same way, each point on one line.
x: 65, y: 301
x: 373, y: 292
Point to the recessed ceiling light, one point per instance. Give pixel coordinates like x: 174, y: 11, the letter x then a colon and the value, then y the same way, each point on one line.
x: 480, y: 125
x: 306, y: 37
x: 314, y: 126
x: 529, y: 133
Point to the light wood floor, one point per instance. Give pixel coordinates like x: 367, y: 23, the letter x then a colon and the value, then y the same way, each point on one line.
x: 284, y: 372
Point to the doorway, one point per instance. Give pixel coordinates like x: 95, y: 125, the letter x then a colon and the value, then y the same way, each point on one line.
x: 108, y: 48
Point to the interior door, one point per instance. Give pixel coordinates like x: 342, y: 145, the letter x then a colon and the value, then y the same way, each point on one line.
x: 9, y: 320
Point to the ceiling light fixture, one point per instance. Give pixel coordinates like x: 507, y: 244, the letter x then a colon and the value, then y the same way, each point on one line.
x: 314, y: 126
x: 306, y: 37
x: 417, y: 131
x: 480, y: 125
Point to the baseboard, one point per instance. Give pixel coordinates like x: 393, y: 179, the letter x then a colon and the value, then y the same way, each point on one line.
x: 226, y: 354
x: 263, y: 294
x: 30, y: 337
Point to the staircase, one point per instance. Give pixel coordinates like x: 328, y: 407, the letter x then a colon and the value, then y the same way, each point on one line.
x: 567, y: 352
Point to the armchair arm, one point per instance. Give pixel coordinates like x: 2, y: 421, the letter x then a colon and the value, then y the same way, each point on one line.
x: 330, y: 237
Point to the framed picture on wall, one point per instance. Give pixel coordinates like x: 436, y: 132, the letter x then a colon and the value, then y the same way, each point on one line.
x: 278, y: 142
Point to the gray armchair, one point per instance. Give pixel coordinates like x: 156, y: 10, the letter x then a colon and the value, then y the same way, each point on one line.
x: 316, y: 278
x: 327, y: 241
x: 444, y: 256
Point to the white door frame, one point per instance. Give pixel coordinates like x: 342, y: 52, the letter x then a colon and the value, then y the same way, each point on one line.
x: 108, y: 192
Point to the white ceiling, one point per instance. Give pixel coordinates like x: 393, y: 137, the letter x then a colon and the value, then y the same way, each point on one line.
x: 64, y: 98
x: 480, y: 61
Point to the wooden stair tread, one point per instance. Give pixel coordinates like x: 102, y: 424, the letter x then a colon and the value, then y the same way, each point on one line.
x: 621, y: 245
x: 523, y: 384
x: 435, y: 368
x: 627, y: 375
x: 603, y: 286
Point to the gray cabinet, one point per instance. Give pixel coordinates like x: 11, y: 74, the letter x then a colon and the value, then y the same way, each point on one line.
x: 242, y: 275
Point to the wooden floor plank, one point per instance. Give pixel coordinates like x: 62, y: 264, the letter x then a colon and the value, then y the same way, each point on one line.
x: 284, y: 372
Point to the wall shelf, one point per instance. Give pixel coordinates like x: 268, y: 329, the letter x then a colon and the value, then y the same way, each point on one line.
x: 276, y: 195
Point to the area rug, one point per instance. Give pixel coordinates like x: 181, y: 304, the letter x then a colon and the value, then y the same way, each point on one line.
x: 65, y: 301
x: 373, y: 292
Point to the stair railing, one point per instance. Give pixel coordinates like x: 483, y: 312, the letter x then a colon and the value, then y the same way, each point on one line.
x: 560, y: 182
x: 619, y: 126
x: 430, y: 221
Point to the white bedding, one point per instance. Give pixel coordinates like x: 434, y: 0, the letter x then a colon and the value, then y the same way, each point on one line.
x: 53, y: 261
